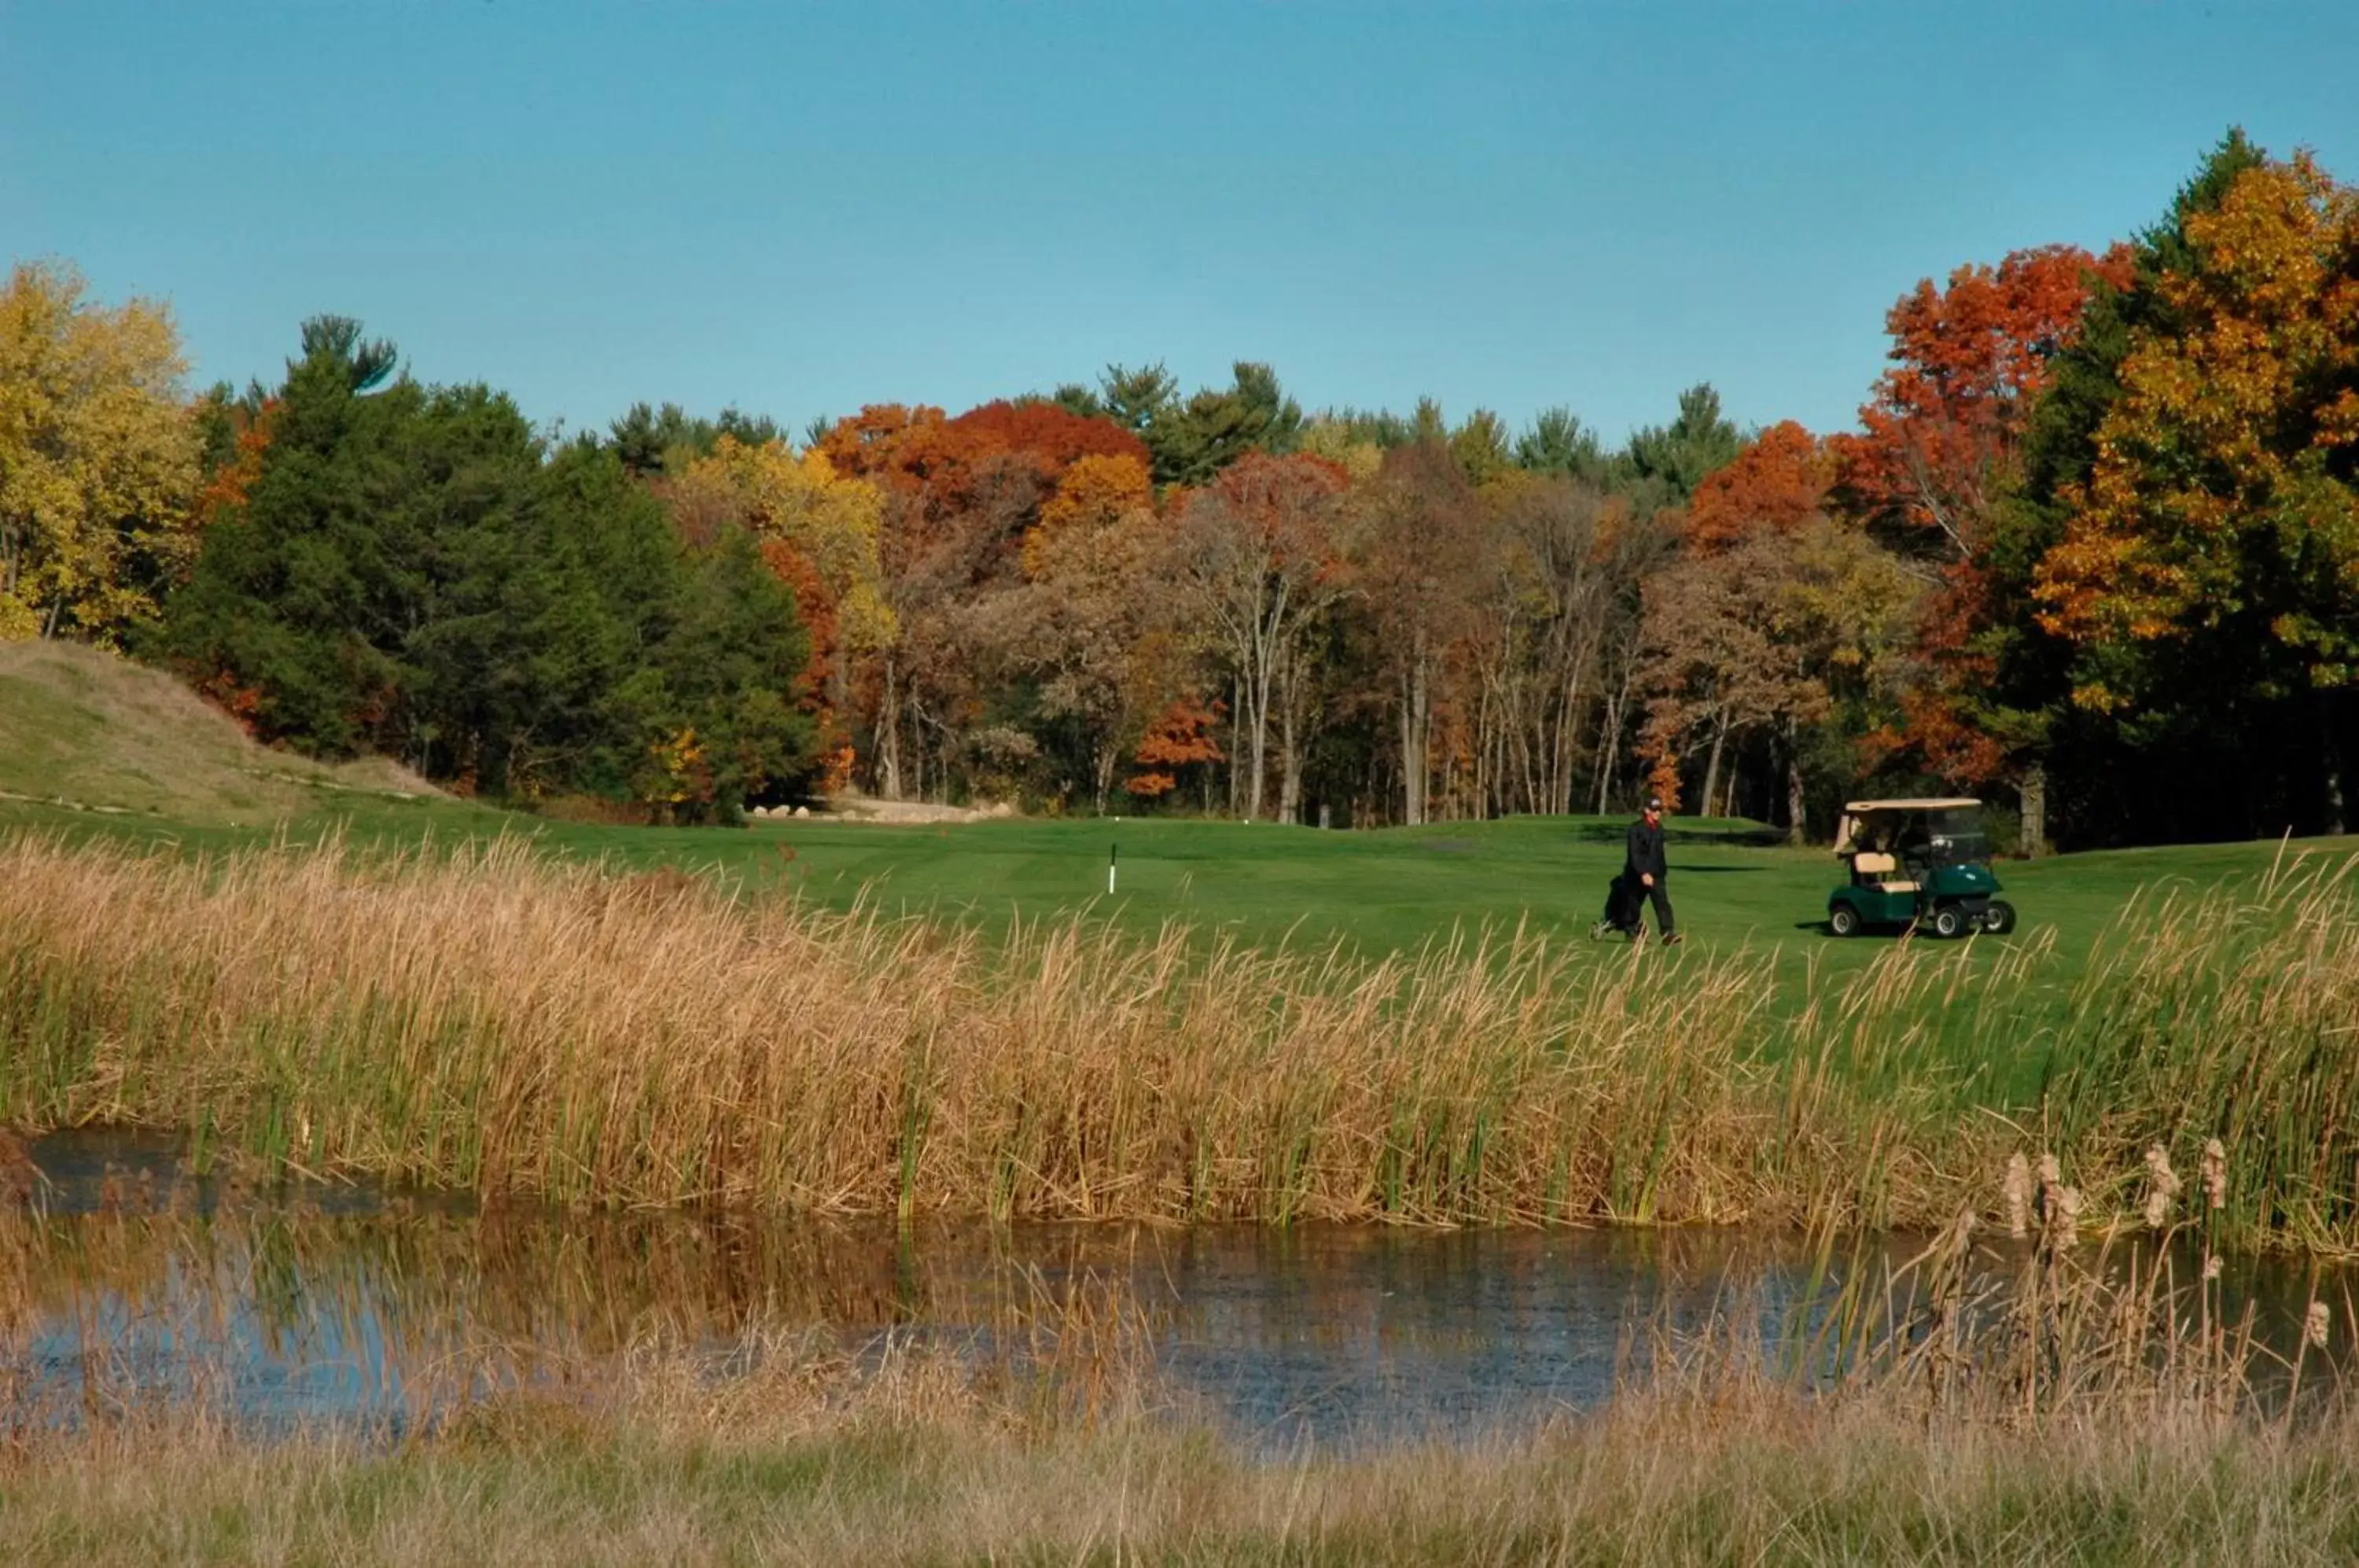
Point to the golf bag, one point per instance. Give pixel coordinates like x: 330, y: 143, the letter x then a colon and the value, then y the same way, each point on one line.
x: 1624, y: 900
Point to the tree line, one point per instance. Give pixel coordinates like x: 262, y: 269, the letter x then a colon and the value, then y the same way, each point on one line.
x: 2093, y: 550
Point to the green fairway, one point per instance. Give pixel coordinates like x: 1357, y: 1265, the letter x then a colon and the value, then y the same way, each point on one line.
x: 1263, y: 883
x: 1397, y: 887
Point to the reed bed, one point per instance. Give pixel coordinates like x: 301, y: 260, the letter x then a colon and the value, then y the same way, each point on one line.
x: 486, y: 1020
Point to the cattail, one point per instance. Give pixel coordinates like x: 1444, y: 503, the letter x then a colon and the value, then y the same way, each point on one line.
x: 2066, y: 1217
x: 2314, y: 1326
x: 2210, y: 1266
x: 2215, y: 1173
x: 2162, y: 1186
x: 2018, y: 1195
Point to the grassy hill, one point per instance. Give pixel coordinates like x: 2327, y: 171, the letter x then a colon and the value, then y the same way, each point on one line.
x: 82, y: 731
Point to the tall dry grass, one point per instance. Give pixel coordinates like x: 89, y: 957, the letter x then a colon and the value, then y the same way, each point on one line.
x: 485, y: 1019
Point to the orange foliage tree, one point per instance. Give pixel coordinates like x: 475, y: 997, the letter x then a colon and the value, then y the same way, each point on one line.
x: 1181, y: 737
x: 1939, y: 437
x: 966, y: 498
x: 1778, y: 483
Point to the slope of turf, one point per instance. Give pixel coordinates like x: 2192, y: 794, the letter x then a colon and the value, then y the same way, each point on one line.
x: 82, y: 731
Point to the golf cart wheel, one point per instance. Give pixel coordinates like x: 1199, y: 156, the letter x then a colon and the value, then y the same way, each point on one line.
x: 1999, y: 919
x: 1949, y: 920
x: 1842, y: 920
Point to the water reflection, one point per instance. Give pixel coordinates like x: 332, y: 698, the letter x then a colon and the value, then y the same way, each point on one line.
x: 138, y: 1280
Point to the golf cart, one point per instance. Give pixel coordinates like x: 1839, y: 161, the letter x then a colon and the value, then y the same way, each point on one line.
x: 1917, y: 863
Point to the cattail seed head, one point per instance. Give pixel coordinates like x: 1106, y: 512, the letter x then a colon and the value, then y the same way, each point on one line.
x: 2067, y: 1215
x: 2018, y: 1195
x: 2314, y: 1326
x: 2215, y: 1173
x: 2162, y: 1186
x: 2210, y: 1266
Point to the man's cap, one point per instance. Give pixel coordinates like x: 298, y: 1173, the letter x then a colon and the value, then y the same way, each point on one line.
x: 1654, y: 802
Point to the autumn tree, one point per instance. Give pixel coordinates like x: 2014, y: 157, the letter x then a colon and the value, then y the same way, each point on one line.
x: 1759, y: 639
x: 1421, y: 555
x: 2218, y: 524
x: 1258, y: 558
x: 962, y: 498
x: 1939, y: 453
x: 2012, y: 696
x: 1091, y: 623
x: 1557, y: 629
x: 98, y: 460
x: 1941, y: 436
x: 1183, y: 736
x: 1775, y: 483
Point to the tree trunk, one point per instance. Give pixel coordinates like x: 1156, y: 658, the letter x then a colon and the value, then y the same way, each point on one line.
x: 1609, y: 733
x: 1107, y: 756
x: 1257, y: 758
x: 1290, y: 721
x: 889, y: 733
x: 1414, y: 737
x: 1797, y: 803
x: 1237, y: 748
x: 1712, y: 768
x: 2033, y: 800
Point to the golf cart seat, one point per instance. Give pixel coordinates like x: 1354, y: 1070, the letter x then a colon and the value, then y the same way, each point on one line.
x: 1882, y: 869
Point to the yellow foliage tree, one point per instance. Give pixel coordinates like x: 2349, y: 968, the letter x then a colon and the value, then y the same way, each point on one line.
x: 98, y: 459
x: 832, y: 520
x: 1095, y: 492
x: 2221, y: 493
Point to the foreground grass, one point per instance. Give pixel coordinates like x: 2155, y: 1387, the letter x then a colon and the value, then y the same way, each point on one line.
x: 1662, y: 1484
x: 489, y: 1019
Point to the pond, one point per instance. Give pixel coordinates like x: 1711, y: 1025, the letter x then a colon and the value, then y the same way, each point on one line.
x: 135, y: 1279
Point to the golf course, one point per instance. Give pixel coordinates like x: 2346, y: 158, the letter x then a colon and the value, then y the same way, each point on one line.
x: 632, y: 1053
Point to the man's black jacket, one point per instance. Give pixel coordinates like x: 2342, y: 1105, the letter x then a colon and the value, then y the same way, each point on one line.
x: 1644, y: 854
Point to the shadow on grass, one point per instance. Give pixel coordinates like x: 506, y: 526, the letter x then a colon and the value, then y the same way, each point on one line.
x: 1750, y: 835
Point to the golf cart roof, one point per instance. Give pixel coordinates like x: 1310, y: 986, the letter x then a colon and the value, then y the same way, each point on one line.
x: 1855, y: 812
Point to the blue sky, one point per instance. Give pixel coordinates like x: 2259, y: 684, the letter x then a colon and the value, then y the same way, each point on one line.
x: 801, y: 210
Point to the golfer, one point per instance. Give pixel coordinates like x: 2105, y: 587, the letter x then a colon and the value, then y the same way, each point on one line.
x: 1642, y: 865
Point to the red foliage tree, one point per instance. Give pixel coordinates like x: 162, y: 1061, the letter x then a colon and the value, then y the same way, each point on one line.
x: 1941, y: 433
x: 1939, y: 442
